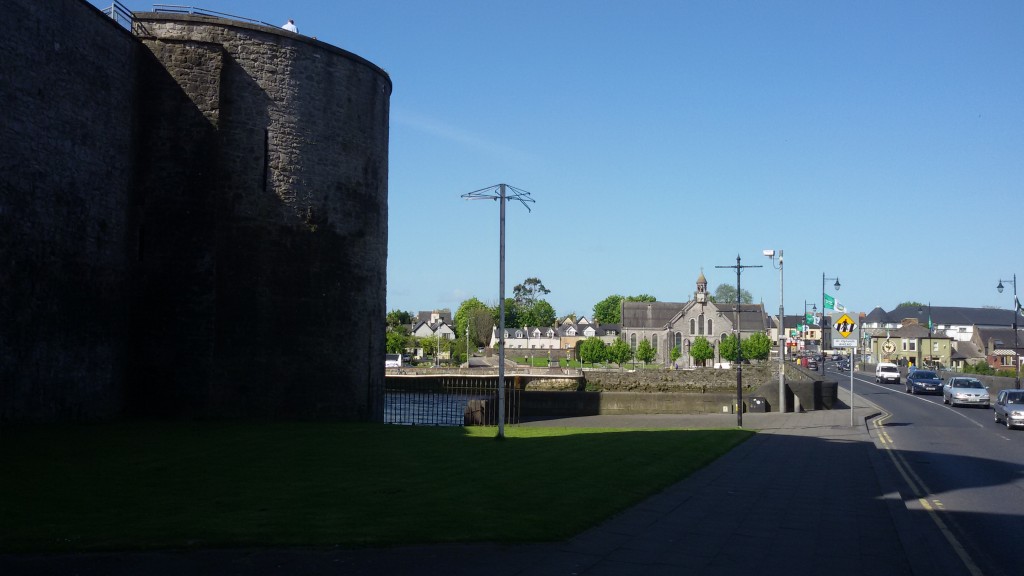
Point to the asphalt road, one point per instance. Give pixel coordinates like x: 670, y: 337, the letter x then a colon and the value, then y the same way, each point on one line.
x: 958, y: 467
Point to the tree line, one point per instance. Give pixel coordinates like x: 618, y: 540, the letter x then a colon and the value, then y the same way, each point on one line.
x: 474, y: 320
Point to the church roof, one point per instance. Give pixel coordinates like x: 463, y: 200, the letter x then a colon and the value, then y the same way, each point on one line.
x: 649, y: 314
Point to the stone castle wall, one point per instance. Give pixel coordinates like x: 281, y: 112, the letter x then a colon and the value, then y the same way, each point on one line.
x: 68, y: 126
x: 252, y: 225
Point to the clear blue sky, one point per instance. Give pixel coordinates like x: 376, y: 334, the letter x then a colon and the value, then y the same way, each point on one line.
x: 881, y: 142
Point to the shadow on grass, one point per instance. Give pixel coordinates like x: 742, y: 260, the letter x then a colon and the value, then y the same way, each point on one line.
x: 205, y: 485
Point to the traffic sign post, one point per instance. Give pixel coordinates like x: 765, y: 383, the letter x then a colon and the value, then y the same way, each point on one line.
x: 846, y: 334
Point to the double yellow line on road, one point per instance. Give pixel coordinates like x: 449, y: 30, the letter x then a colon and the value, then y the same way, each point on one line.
x: 921, y: 493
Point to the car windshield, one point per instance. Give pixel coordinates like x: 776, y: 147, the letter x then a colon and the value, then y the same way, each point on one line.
x: 923, y: 374
x: 969, y: 384
x: 1015, y: 398
x: 888, y: 369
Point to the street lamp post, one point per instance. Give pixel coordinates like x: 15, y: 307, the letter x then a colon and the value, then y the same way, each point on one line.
x: 739, y: 344
x: 782, y: 332
x: 814, y: 311
x: 823, y: 315
x: 920, y: 310
x: 1016, y: 310
x: 499, y: 192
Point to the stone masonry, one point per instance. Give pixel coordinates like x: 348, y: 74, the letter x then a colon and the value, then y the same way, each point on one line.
x: 194, y: 220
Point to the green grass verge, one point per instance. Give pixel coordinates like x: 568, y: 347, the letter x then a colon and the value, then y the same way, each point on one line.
x: 157, y: 485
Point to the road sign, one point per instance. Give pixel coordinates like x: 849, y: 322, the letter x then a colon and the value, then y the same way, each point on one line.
x: 845, y: 331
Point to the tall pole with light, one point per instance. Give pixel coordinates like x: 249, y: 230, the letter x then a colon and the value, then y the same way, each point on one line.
x: 1016, y: 310
x: 931, y: 346
x: 782, y: 331
x: 739, y: 344
x: 824, y: 314
x: 499, y: 192
x: 814, y: 312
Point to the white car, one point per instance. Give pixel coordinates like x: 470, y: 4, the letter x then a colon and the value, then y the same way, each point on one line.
x: 887, y: 372
x: 963, y: 391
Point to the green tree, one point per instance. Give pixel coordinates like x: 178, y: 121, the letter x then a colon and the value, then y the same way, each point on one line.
x: 701, y: 351
x: 539, y: 314
x: 619, y: 352
x: 593, y: 350
x: 726, y: 294
x: 399, y: 318
x: 641, y: 298
x: 512, y: 311
x: 730, y: 348
x: 675, y: 354
x: 910, y: 304
x: 477, y: 316
x: 396, y: 342
x: 609, y: 310
x: 757, y: 347
x: 645, y: 352
x: 529, y: 291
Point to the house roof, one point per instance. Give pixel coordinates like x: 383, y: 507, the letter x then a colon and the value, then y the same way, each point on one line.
x: 425, y: 315
x: 966, y: 351
x: 999, y: 338
x: 876, y: 316
x: 949, y: 315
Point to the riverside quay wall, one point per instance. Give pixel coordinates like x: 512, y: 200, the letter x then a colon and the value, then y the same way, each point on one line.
x: 700, y: 391
x: 193, y: 220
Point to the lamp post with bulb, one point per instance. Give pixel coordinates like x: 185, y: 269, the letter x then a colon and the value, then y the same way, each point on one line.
x: 823, y: 315
x: 1016, y: 353
x: 782, y: 332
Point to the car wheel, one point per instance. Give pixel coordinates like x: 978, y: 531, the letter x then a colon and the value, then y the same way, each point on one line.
x: 1008, y: 425
x: 945, y: 400
x: 995, y: 416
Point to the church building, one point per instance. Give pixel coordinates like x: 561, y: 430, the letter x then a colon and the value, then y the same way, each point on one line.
x: 678, y: 324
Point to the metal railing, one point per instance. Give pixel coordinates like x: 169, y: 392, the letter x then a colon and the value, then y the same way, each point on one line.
x: 178, y: 9
x: 447, y: 400
x: 120, y: 13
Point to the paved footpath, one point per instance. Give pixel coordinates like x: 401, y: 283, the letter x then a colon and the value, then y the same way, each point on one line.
x: 809, y: 495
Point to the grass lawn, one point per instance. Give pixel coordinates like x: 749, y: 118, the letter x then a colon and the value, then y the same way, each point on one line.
x: 153, y: 485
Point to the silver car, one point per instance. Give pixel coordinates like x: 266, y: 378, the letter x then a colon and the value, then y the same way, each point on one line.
x: 962, y: 391
x: 1009, y: 408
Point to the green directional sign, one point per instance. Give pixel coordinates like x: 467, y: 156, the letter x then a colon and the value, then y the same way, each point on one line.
x: 830, y: 302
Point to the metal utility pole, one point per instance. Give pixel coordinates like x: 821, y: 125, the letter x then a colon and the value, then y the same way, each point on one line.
x: 500, y: 192
x: 1016, y: 311
x: 739, y: 348
x: 782, y: 332
x: 824, y: 314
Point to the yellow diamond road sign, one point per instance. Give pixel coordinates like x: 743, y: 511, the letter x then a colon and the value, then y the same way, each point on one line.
x: 845, y: 326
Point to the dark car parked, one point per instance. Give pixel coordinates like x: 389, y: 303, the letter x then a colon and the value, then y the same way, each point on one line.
x: 924, y: 382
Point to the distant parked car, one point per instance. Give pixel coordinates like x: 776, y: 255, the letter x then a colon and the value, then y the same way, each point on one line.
x: 887, y: 372
x: 924, y: 381
x: 1009, y: 408
x: 812, y: 364
x: 844, y: 365
x: 963, y: 391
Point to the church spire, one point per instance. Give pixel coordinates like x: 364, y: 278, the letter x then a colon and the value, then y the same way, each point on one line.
x: 701, y: 295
